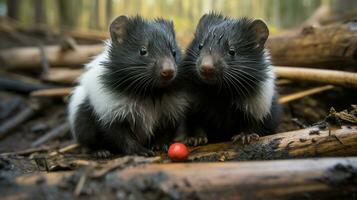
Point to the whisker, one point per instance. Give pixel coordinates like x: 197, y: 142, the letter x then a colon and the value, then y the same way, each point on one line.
x: 244, y: 72
x: 122, y: 82
x: 231, y: 79
x: 246, y: 79
x: 135, y: 84
x: 129, y: 75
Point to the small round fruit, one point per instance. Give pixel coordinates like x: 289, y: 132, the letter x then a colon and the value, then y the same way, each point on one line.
x: 178, y: 152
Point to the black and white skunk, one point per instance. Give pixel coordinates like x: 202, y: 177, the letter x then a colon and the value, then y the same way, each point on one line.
x: 127, y: 100
x: 231, y: 81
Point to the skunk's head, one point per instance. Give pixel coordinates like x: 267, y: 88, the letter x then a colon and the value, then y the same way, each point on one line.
x: 143, y: 56
x: 229, y: 54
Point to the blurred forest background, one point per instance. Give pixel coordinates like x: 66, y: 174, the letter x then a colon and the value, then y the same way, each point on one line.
x: 97, y: 14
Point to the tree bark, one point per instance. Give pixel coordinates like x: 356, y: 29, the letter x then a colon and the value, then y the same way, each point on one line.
x: 310, y: 142
x: 40, y: 14
x: 56, y: 92
x: 251, y: 180
x: 341, y: 78
x: 332, y: 46
x: 62, y: 75
x: 13, y: 8
x: 30, y: 57
x: 331, y: 178
x: 109, y: 11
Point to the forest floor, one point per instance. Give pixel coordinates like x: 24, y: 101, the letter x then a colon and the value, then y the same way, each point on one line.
x: 19, y: 156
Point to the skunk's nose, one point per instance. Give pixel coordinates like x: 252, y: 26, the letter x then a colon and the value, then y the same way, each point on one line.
x: 167, y: 73
x: 207, y: 66
x: 168, y: 69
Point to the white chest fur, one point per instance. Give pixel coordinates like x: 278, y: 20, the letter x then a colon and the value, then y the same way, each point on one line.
x: 259, y: 106
x: 142, y: 114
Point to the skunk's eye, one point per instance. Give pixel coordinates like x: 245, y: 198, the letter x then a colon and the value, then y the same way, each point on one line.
x: 200, y: 46
x: 231, y: 51
x: 174, y: 53
x: 143, y: 51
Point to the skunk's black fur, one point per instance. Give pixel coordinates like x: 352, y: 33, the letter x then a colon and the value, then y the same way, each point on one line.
x: 220, y: 100
x: 124, y: 103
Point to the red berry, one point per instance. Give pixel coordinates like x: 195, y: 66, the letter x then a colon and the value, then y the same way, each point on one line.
x: 178, y: 152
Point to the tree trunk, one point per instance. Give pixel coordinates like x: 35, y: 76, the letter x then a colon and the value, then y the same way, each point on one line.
x: 94, y: 22
x: 68, y: 12
x: 40, y: 15
x: 109, y: 11
x: 13, y: 8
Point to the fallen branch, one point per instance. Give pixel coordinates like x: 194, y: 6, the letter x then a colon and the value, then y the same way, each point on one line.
x: 9, y: 106
x: 57, y: 132
x: 77, y: 191
x: 86, y: 35
x: 56, y: 92
x: 15, y: 121
x: 121, y: 163
x: 299, y: 95
x: 283, y: 82
x: 21, y: 84
x: 310, y: 142
x: 30, y: 57
x: 20, y: 118
x: 346, y: 79
x: 27, y: 151
x: 62, y: 75
x: 65, y: 149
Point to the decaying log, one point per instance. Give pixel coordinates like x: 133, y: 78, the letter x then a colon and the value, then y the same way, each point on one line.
x: 249, y: 180
x: 30, y: 57
x: 310, y: 142
x: 334, y: 77
x: 328, y: 178
x: 62, y: 75
x: 333, y: 46
x: 299, y: 95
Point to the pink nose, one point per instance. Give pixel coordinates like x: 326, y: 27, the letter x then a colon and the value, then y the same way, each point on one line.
x: 167, y: 73
x: 168, y: 69
x: 207, y: 66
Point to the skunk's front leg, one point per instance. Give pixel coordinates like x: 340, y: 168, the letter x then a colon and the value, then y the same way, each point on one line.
x: 120, y: 139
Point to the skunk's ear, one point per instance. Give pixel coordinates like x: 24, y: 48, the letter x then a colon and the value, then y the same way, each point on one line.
x: 202, y: 23
x: 206, y: 20
x: 167, y: 25
x: 118, y: 29
x: 261, y: 31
